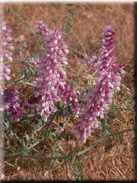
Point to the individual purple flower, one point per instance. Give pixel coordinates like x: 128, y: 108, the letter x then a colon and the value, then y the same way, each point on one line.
x: 51, y: 83
x: 59, y: 129
x: 34, y: 61
x: 108, y: 82
x: 27, y: 106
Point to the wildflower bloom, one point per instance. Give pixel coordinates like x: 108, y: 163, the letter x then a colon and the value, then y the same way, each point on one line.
x: 51, y: 85
x: 11, y: 98
x: 11, y: 103
x: 6, y: 45
x: 12, y: 106
x: 108, y: 82
x: 1, y: 79
x: 42, y: 29
x: 5, y: 53
x: 17, y: 112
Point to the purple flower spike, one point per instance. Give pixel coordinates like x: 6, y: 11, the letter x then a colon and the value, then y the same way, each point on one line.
x: 51, y: 85
x: 6, y: 45
x: 5, y: 53
x: 108, y: 82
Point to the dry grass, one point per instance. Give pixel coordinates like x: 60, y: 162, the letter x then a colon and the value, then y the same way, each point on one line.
x: 114, y: 158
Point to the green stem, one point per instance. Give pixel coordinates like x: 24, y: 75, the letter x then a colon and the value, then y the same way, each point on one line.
x: 21, y: 19
x: 101, y: 139
x: 10, y: 63
x: 44, y: 158
x: 103, y: 124
x: 27, y: 83
x: 122, y: 108
x: 37, y: 35
x: 31, y: 35
x: 34, y: 115
x: 23, y: 116
x: 15, y: 81
x: 64, y: 18
x: 14, y: 154
x: 71, y: 154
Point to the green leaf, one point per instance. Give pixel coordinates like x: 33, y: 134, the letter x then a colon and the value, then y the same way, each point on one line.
x: 46, y: 134
x: 70, y: 4
x: 53, y: 130
x: 61, y: 124
x: 28, y: 66
x: 35, y: 139
x: 31, y: 69
x: 27, y: 137
x: 65, y: 34
x: 19, y: 17
x: 58, y: 106
x: 81, y: 176
x: 69, y: 110
x: 24, y: 73
x: 57, y: 137
x: 67, y: 31
x: 102, y: 120
x: 107, y: 129
x: 70, y: 11
x: 35, y: 150
x: 69, y: 17
x: 23, y: 144
x: 68, y: 24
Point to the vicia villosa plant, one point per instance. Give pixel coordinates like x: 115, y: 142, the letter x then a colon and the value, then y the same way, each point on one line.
x: 51, y: 86
x: 108, y: 81
x: 52, y: 93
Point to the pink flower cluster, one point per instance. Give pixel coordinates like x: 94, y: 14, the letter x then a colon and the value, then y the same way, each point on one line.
x: 43, y: 29
x: 11, y: 104
x: 51, y: 85
x: 11, y: 98
x: 5, y: 53
x: 108, y: 82
x: 5, y: 42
